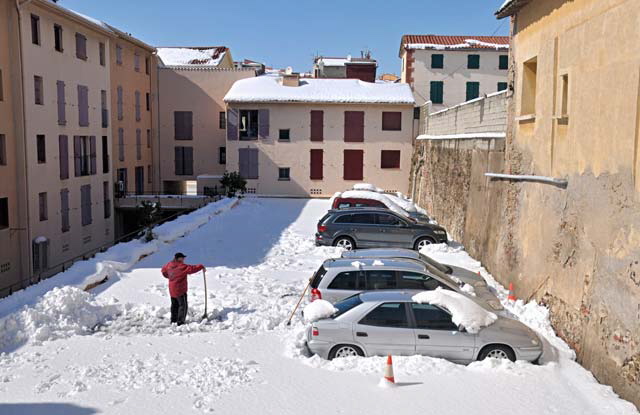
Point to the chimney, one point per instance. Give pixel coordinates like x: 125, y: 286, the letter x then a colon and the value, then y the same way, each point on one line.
x: 291, y: 79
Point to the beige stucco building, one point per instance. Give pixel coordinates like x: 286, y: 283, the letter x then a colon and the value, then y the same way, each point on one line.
x: 314, y: 137
x: 449, y: 70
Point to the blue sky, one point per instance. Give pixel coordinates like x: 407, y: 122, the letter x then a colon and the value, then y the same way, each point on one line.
x: 286, y: 33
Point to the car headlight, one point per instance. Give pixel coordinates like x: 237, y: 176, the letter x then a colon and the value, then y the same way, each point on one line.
x: 535, y: 342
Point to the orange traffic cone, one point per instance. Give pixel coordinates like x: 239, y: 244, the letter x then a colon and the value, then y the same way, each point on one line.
x: 388, y: 379
x: 512, y: 296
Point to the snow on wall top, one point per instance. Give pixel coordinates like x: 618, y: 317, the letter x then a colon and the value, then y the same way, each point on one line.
x: 192, y: 56
x: 91, y: 19
x: 269, y: 88
x: 455, y: 42
x: 344, y: 61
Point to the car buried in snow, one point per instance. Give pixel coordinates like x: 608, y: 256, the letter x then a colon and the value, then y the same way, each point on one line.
x: 378, y: 323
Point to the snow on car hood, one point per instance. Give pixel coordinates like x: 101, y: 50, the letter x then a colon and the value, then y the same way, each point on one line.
x: 318, y: 310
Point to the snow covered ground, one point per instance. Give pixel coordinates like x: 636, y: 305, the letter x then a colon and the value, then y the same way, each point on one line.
x: 112, y: 351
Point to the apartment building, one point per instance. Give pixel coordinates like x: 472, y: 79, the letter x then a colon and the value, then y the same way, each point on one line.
x: 449, y: 70
x: 363, y: 68
x: 192, y: 118
x: 314, y: 137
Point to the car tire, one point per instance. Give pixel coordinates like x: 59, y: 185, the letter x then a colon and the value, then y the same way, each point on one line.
x: 421, y: 242
x: 345, y: 242
x: 497, y: 351
x: 345, y: 350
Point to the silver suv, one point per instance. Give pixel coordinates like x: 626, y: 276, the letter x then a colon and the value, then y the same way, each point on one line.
x: 374, y: 228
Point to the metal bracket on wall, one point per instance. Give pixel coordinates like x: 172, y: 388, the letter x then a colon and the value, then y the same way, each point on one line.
x: 563, y: 183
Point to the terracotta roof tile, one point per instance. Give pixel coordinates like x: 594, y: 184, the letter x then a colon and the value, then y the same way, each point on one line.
x: 485, y: 42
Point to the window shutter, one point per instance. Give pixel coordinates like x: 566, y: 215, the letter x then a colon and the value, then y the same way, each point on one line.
x: 64, y: 210
x: 77, y: 156
x: 354, y: 126
x: 317, y: 125
x: 138, y: 144
x: 391, y: 121
x: 263, y: 123
x: 232, y: 124
x: 316, y: 164
x: 353, y: 164
x: 119, y: 103
x: 137, y: 105
x: 120, y: 144
x: 179, y: 165
x: 81, y: 46
x: 62, y: 116
x: 63, y: 155
x: 188, y: 160
x: 83, y: 106
x: 92, y: 153
x: 243, y: 162
x: 390, y: 159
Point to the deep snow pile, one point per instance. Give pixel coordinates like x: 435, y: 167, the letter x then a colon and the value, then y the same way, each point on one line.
x: 463, y: 311
x: 318, y: 310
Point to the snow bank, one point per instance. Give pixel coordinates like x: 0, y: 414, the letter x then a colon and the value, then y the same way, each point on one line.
x: 318, y: 310
x: 191, y: 56
x: 463, y: 310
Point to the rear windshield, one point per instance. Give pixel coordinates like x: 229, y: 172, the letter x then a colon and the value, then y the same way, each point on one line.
x: 437, y: 265
x: 317, y: 277
x: 324, y: 218
x: 347, y: 304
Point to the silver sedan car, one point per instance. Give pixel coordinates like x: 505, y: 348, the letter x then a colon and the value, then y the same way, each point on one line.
x: 390, y: 322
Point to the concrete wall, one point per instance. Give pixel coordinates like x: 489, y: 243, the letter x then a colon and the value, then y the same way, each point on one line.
x: 296, y: 153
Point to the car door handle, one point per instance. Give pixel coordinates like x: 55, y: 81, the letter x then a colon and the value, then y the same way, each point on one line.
x: 361, y: 334
x: 423, y: 336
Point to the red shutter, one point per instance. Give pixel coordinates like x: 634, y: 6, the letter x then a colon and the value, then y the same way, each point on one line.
x: 316, y: 164
x: 353, y: 164
x: 390, y: 159
x: 317, y: 125
x: 392, y: 121
x: 354, y: 126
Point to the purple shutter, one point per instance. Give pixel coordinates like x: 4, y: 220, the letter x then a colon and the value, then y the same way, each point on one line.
x: 179, y: 165
x: 77, y: 156
x: 188, y: 160
x: 64, y: 209
x: 83, y: 105
x: 137, y: 105
x: 243, y: 162
x: 63, y: 155
x: 62, y: 116
x: 92, y: 153
x: 263, y: 123
x: 120, y: 144
x: 253, y: 163
x: 119, y: 103
x: 138, y: 144
x: 232, y: 124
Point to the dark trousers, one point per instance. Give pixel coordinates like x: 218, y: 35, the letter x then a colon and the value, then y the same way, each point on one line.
x: 179, y: 309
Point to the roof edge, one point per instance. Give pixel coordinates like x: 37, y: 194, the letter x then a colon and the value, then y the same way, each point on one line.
x: 510, y: 8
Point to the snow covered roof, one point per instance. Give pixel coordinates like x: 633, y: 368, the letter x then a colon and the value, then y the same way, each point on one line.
x: 269, y: 88
x: 181, y: 56
x: 328, y: 61
x: 439, y: 42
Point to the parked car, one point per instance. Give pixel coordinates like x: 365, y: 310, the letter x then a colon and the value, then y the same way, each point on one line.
x: 459, y: 275
x: 390, y: 322
x: 342, y: 202
x: 374, y: 228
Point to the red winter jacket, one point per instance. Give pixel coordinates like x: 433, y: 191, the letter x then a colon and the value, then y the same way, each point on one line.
x: 177, y: 273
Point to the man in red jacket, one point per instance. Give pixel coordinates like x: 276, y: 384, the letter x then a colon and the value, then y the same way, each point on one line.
x: 176, y: 272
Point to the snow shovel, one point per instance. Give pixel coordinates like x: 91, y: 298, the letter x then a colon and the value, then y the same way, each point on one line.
x: 204, y: 277
x: 299, y: 301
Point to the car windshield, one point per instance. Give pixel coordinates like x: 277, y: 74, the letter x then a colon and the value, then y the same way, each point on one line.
x: 347, y: 304
x: 317, y: 277
x: 437, y: 265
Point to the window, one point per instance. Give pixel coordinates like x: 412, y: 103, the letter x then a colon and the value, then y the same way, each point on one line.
x: 40, y: 250
x: 343, y: 219
x: 42, y: 204
x: 81, y: 46
x: 317, y: 125
x: 139, y: 172
x: 436, y: 92
x: 388, y: 220
x: 183, y: 125
x: 1, y: 87
x: 35, y: 29
x: 104, y: 109
x: 363, y: 218
x: 354, y: 126
x: 122, y: 181
x: 147, y: 65
x: 387, y: 315
x: 83, y: 106
x: 138, y: 144
x: 353, y: 164
x: 57, y: 37
x: 473, y: 61
x: 417, y: 281
x: 41, y: 149
x: 248, y: 124
x: 63, y: 155
x: 222, y: 155
x: 62, y: 109
x: 316, y: 162
x: 347, y: 304
x: 390, y: 159
x: 85, y: 204
x: 136, y: 62
x: 147, y: 98
x: 105, y: 154
x: 102, y: 53
x: 222, y: 120
x: 503, y: 62
x: 284, y: 135
x: 416, y: 113
x: 502, y: 86
x: 3, y: 150
x: 564, y: 104
x: 119, y: 103
x: 148, y: 138
x: 106, y: 199
x: 437, y: 61
x: 347, y: 281
x: 120, y: 144
x: 391, y: 121
x: 529, y: 80
x: 4, y: 212
x: 38, y: 91
x: 473, y: 90
x: 430, y: 317
x: 284, y: 173
x: 137, y: 106
x: 248, y: 163
x: 84, y: 155
x: 118, y: 54
x: 149, y: 174
x: 184, y: 161
x: 64, y: 210
x: 381, y: 280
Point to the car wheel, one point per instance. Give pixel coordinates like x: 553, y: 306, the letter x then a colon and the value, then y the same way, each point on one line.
x: 345, y: 350
x: 422, y: 242
x: 345, y: 242
x: 497, y: 351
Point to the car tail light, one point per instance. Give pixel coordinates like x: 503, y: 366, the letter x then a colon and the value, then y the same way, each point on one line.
x: 322, y: 228
x: 316, y: 295
x: 314, y: 331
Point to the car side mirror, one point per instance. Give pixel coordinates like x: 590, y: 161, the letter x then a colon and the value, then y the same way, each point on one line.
x: 461, y: 328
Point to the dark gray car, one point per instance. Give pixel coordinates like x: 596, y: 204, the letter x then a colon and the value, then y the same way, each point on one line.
x: 375, y: 228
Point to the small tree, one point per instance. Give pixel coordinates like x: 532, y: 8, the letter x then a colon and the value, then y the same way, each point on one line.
x: 148, y: 213
x: 233, y: 183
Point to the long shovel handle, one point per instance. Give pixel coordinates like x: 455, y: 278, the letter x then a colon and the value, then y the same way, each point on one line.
x: 204, y: 277
x: 299, y: 301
